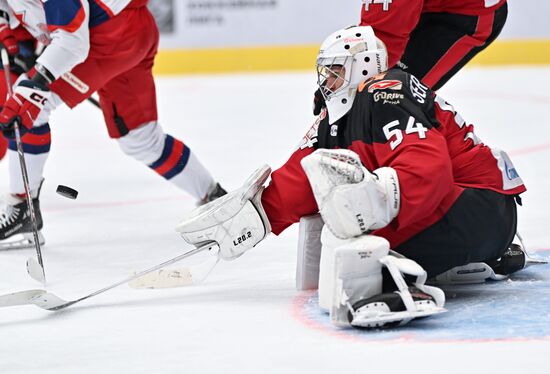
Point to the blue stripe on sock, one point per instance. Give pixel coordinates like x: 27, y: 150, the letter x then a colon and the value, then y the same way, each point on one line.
x: 30, y: 149
x: 182, y: 163
x: 168, y: 145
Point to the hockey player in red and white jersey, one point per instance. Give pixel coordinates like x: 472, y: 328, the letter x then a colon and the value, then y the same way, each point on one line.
x: 432, y: 39
x: 103, y: 46
x: 388, y: 164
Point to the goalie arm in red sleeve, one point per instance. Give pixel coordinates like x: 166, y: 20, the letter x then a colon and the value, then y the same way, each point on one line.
x: 394, y: 25
x: 289, y: 196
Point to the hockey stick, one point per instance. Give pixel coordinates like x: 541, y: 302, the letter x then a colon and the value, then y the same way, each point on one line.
x: 35, y: 269
x: 179, y: 277
x: 49, y: 301
x: 94, y: 102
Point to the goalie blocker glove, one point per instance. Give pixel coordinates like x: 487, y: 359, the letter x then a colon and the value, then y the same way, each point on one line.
x: 236, y: 222
x: 351, y: 200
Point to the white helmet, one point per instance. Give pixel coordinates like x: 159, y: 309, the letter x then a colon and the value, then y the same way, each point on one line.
x: 361, y: 54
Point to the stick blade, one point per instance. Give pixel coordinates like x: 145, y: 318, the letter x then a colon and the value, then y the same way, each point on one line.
x: 164, y: 278
x: 180, y: 277
x: 36, y: 271
x: 20, y: 298
x: 49, y: 301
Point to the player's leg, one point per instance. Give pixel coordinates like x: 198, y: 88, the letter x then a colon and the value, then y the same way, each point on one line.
x: 479, y: 227
x: 129, y: 106
x: 3, y: 146
x: 15, y: 223
x: 3, y: 94
x: 443, y: 43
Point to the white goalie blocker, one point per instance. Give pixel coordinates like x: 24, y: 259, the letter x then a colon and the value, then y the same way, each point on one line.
x: 236, y: 222
x: 351, y: 200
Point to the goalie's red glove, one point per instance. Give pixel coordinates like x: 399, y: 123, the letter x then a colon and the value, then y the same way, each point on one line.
x: 24, y: 106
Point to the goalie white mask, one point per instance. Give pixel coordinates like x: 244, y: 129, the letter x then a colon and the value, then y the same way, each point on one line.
x: 347, y: 58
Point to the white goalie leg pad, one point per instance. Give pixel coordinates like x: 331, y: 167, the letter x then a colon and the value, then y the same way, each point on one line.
x: 356, y: 274
x: 236, y: 221
x: 429, y: 301
x: 327, y: 278
x: 309, y: 252
x: 351, y: 200
x: 357, y: 266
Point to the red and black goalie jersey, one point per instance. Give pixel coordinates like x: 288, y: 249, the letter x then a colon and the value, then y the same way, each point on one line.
x: 398, y: 122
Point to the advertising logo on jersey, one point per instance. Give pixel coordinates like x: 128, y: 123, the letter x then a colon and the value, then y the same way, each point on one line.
x: 385, y: 85
x: 381, y: 93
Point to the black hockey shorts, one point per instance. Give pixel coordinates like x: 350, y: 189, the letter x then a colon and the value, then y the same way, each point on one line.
x: 479, y: 227
x: 442, y: 43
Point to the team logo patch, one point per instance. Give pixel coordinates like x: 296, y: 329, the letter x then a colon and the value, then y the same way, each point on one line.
x: 386, y: 85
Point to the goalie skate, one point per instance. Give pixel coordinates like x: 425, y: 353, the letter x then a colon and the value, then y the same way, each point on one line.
x: 388, y: 309
x: 16, y: 229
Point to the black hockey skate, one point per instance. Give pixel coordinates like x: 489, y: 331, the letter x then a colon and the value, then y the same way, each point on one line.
x: 214, y: 192
x: 16, y: 229
x: 514, y: 259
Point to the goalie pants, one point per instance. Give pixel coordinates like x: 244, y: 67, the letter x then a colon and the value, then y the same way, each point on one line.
x: 479, y: 227
x: 442, y: 43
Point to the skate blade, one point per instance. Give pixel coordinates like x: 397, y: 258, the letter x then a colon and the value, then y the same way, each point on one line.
x: 534, y: 261
x: 21, y: 241
x: 380, y: 318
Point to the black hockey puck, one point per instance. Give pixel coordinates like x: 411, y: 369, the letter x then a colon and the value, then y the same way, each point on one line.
x: 67, y: 192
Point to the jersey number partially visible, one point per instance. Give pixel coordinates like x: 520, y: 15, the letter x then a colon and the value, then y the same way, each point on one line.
x: 395, y: 135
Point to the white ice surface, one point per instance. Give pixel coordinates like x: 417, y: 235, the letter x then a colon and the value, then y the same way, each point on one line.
x: 247, y: 317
